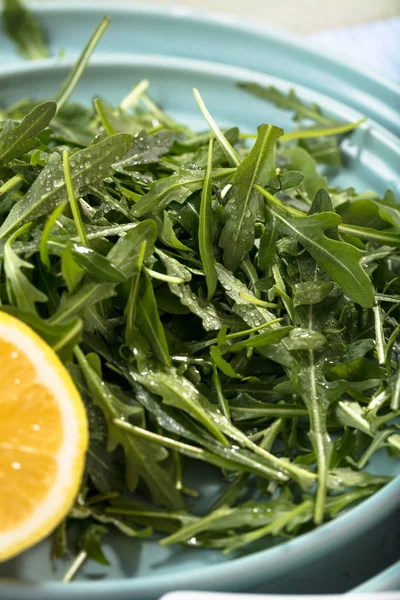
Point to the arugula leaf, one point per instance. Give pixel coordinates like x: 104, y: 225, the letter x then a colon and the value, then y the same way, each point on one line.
x: 125, y: 252
x: 106, y: 472
x: 178, y: 187
x: 99, y: 267
x: 88, y: 167
x: 242, y: 208
x: 123, y: 255
x: 222, y: 364
x: 146, y: 149
x: 90, y: 543
x: 205, y: 228
x: 230, y: 458
x: 301, y: 160
x: 244, y: 408
x: 268, y: 240
x: 75, y: 304
x: 24, y: 29
x: 179, y: 392
x: 149, y: 321
x: 285, y: 518
x: 167, y: 234
x: 139, y: 455
x: 253, y: 314
x: 339, y: 259
x: 287, y: 102
x: 20, y: 290
x: 202, y: 308
x: 18, y: 139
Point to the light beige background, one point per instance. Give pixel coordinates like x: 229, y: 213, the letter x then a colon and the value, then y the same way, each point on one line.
x: 301, y: 16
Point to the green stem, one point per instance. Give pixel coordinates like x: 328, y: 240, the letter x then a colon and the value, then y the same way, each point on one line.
x: 372, y: 235
x: 379, y: 335
x: 163, y: 276
x: 323, y: 132
x: 69, y: 84
x: 257, y: 301
x: 222, y: 401
x: 62, y: 342
x: 186, y: 449
x: 74, y: 568
x: 277, y: 525
x: 395, y: 403
x: 304, y: 477
x: 47, y: 229
x: 102, y: 116
x: 147, y: 514
x: 199, y: 453
x: 186, y: 533
x: 73, y: 202
x: 229, y: 150
x: 11, y: 184
x: 312, y: 133
x: 132, y: 98
x: 365, y: 233
x: 159, y: 115
x: 101, y: 497
x: 206, y: 344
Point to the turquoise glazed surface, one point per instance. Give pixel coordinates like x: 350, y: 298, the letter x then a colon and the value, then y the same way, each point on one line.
x: 176, y: 31
x: 144, y: 570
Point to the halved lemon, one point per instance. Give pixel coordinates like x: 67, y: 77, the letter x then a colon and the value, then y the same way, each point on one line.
x: 43, y: 438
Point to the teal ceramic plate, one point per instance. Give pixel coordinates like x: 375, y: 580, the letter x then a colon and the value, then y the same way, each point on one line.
x: 144, y: 571
x: 176, y: 31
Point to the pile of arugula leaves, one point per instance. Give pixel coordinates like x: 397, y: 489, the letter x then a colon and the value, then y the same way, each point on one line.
x: 213, y: 300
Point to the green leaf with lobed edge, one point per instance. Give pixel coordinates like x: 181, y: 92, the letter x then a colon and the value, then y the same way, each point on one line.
x: 18, y: 139
x: 242, y: 208
x: 287, y: 102
x: 146, y: 149
x: 178, y: 424
x: 90, y: 541
x: 139, y: 454
x: 20, y: 289
x: 202, y: 308
x: 88, y: 167
x: 123, y: 255
x: 340, y: 260
x: 175, y: 188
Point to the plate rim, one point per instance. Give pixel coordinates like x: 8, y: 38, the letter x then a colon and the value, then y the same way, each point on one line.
x: 227, y: 71
x: 180, y: 12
